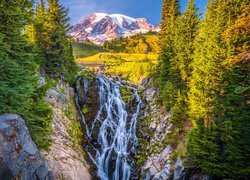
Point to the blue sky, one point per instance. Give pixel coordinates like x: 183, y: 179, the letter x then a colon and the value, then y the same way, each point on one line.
x: 150, y: 9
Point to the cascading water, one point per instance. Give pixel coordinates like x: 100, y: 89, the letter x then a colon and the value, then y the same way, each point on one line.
x: 117, y: 131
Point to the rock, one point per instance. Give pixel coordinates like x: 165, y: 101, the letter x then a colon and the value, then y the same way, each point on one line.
x: 144, y: 82
x: 153, y: 170
x: 123, y: 82
x: 150, y: 92
x: 158, y: 166
x: 65, y: 158
x: 19, y: 156
x: 42, y: 81
x: 179, y: 173
x: 166, y: 152
x: 165, y: 173
x: 152, y: 125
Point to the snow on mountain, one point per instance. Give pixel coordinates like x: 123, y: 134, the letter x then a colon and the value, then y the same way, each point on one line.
x: 101, y: 27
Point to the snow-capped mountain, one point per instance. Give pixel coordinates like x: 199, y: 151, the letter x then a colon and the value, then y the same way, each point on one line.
x: 101, y: 27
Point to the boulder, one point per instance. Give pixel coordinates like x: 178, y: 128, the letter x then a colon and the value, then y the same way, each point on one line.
x: 19, y: 156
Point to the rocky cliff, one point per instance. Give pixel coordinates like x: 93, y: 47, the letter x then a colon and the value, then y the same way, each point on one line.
x: 19, y: 156
x: 66, y: 157
x: 161, y: 145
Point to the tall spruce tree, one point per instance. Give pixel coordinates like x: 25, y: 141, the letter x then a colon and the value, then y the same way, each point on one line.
x: 170, y: 12
x: 41, y: 33
x: 59, y: 58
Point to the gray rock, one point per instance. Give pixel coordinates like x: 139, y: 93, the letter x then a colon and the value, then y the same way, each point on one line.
x: 179, y: 170
x: 19, y: 156
x: 123, y: 82
x: 165, y: 173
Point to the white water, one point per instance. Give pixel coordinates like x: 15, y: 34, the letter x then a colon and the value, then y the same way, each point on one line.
x: 117, y: 133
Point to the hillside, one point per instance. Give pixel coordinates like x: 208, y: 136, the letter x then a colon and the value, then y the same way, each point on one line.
x: 132, y: 57
x: 84, y: 49
x: 133, y: 67
x: 140, y: 43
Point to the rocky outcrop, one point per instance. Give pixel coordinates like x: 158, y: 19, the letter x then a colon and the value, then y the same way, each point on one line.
x: 19, y: 156
x: 158, y: 166
x: 154, y: 127
x: 66, y: 157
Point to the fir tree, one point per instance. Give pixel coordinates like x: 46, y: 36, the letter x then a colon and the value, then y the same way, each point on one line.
x: 59, y: 60
x: 170, y: 12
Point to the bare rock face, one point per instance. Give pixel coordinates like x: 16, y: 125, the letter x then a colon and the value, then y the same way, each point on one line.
x: 65, y: 158
x: 158, y: 166
x: 19, y: 156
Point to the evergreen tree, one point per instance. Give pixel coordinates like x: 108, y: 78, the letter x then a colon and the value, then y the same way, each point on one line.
x: 170, y: 12
x: 186, y: 29
x: 59, y: 60
x: 41, y: 34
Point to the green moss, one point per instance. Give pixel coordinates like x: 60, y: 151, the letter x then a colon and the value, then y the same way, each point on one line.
x: 172, y: 139
x: 87, y: 73
x: 85, y: 110
x: 141, y: 90
x: 127, y: 94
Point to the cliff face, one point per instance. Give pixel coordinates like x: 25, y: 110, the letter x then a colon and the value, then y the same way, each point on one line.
x: 19, y: 156
x: 153, y: 129
x: 66, y: 157
x: 161, y: 144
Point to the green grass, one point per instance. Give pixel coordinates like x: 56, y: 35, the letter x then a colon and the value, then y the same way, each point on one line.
x: 134, y: 67
x: 86, y: 49
x: 140, y: 43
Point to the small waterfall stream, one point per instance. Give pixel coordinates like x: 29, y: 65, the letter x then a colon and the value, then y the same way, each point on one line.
x: 117, y: 131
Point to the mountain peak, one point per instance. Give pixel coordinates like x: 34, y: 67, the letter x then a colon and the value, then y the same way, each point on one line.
x: 101, y: 27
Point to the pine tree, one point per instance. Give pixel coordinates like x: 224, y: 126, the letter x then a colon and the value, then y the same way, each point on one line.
x: 19, y: 91
x: 41, y: 33
x: 186, y: 29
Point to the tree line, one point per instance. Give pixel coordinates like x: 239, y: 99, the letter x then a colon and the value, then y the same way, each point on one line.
x: 203, y: 77
x: 33, y: 41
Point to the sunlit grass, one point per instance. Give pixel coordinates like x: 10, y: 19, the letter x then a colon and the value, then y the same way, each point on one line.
x: 134, y: 67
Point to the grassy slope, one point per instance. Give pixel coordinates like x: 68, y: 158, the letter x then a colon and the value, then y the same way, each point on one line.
x: 126, y: 56
x: 134, y: 67
x: 139, y: 43
x: 81, y: 50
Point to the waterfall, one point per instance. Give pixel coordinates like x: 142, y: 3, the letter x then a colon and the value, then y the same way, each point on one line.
x: 117, y: 131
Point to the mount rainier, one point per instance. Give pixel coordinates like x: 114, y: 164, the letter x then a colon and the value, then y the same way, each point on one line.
x: 101, y: 27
